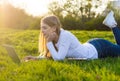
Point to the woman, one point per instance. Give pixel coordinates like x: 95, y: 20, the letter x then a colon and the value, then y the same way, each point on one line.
x: 62, y: 44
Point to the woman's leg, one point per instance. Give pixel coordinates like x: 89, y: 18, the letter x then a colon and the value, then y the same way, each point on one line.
x: 105, y: 48
x: 116, y: 32
x: 111, y: 23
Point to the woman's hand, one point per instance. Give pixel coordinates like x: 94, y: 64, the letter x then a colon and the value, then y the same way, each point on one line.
x: 51, y: 37
x: 28, y: 58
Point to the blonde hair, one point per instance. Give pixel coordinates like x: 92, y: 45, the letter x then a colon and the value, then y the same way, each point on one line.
x: 52, y: 21
x: 42, y: 48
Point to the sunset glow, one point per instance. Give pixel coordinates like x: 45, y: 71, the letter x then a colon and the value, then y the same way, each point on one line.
x: 33, y: 7
x: 37, y: 7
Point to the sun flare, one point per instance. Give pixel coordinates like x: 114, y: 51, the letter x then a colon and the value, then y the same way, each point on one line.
x: 37, y: 7
x: 32, y: 7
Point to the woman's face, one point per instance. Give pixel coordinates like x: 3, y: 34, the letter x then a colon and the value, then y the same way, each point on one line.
x: 46, y: 29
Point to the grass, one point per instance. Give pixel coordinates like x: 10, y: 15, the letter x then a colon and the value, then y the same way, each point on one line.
x: 26, y: 43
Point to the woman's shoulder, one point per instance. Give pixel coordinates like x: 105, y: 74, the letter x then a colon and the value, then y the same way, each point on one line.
x: 65, y: 36
x: 65, y: 32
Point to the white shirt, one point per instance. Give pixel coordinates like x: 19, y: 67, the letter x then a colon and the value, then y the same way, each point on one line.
x: 69, y: 47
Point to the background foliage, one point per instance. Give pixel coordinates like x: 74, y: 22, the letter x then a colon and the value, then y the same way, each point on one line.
x: 75, y: 14
x: 79, y: 14
x: 16, y: 18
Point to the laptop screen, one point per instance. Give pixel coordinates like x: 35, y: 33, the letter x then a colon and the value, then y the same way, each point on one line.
x: 12, y: 53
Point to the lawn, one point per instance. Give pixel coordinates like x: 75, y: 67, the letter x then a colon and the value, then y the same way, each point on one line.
x: 25, y: 43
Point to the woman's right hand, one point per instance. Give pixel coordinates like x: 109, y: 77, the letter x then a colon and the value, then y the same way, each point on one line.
x: 28, y: 58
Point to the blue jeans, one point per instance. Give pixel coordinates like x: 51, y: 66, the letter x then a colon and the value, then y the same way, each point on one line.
x: 106, y: 48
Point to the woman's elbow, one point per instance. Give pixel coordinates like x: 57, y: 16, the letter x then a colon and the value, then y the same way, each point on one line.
x: 58, y: 58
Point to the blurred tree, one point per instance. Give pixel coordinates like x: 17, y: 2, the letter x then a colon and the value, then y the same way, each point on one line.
x: 114, y: 7
x: 77, y: 12
x: 12, y: 17
x: 1, y: 15
x: 35, y: 23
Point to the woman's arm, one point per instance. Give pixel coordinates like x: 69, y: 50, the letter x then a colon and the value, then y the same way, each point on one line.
x: 63, y: 47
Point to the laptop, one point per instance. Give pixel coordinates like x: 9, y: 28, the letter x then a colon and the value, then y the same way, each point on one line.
x: 11, y: 52
x: 77, y: 58
x: 13, y: 55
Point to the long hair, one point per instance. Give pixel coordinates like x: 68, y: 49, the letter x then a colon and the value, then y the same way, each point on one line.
x: 52, y: 21
x: 42, y: 48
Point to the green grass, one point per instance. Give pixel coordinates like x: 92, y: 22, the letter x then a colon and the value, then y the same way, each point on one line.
x: 26, y: 43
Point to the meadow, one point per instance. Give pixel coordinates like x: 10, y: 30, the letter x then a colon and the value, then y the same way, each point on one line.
x: 25, y: 43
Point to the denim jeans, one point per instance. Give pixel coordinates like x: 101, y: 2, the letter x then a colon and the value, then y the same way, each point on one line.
x: 106, y: 48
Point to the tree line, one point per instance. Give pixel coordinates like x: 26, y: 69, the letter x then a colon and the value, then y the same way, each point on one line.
x: 73, y: 14
x: 79, y: 14
x: 11, y: 17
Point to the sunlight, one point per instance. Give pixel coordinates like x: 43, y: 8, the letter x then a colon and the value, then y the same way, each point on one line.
x: 101, y: 8
x: 39, y: 7
x: 1, y: 1
x: 2, y: 13
x: 32, y: 7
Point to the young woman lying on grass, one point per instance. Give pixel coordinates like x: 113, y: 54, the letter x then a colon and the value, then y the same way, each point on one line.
x: 60, y: 44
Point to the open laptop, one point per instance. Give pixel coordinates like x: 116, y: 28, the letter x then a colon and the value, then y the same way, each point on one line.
x: 13, y: 55
x: 11, y: 52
